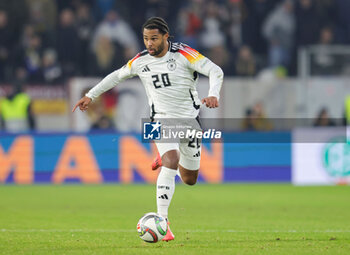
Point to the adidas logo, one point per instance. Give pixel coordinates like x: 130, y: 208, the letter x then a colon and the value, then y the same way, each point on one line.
x: 197, y: 154
x: 163, y: 197
x: 146, y: 69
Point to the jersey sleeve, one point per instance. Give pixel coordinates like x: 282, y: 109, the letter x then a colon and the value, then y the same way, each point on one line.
x: 205, y: 66
x: 114, y: 78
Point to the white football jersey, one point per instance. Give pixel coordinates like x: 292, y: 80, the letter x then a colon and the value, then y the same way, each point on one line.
x: 170, y: 81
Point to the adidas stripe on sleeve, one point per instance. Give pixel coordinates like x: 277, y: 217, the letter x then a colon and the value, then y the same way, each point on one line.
x: 206, y: 67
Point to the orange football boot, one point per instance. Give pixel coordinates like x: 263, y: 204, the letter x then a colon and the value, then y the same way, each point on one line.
x: 157, y: 162
x: 169, y: 235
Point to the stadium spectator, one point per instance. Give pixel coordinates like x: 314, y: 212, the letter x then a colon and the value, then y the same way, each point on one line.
x: 85, y: 27
x: 29, y: 57
x: 67, y: 43
x: 42, y: 15
x: 156, y: 8
x: 103, y: 123
x: 17, y: 16
x: 255, y: 119
x: 16, y: 111
x: 101, y: 112
x: 6, y: 43
x: 307, y: 20
x: 212, y: 34
x: 26, y: 34
x: 324, y: 62
x: 271, y: 29
x: 119, y: 32
x: 236, y: 14
x: 327, y: 12
x: 106, y: 56
x: 245, y: 63
x: 254, y: 15
x: 20, y: 77
x: 279, y: 30
x: 102, y: 7
x: 52, y: 71
x: 261, y: 121
x: 323, y: 119
x: 248, y: 121
x: 163, y: 8
x: 221, y: 56
x: 189, y: 22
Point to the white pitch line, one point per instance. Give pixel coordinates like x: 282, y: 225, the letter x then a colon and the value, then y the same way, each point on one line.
x: 182, y: 231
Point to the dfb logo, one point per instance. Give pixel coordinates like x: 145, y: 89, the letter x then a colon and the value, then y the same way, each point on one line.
x: 152, y: 130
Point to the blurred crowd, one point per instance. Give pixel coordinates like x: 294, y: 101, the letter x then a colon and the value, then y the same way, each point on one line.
x: 255, y: 119
x: 49, y: 41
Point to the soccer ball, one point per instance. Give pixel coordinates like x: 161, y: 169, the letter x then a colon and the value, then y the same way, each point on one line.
x: 152, y: 227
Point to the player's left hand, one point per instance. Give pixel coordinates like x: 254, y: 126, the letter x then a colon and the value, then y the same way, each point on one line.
x: 210, y: 102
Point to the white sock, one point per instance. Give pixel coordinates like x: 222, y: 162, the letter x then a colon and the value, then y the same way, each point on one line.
x: 165, y: 190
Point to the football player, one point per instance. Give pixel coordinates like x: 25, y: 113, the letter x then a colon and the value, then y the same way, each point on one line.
x: 169, y: 73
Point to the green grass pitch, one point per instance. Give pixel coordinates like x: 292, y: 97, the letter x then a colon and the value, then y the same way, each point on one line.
x: 206, y: 219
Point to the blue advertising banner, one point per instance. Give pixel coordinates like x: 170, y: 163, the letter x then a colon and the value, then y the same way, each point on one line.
x: 112, y: 157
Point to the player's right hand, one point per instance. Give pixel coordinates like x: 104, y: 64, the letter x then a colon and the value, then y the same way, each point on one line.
x: 83, y: 104
x: 210, y: 102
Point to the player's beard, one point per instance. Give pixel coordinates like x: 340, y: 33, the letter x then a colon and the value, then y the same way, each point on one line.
x: 159, y: 50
